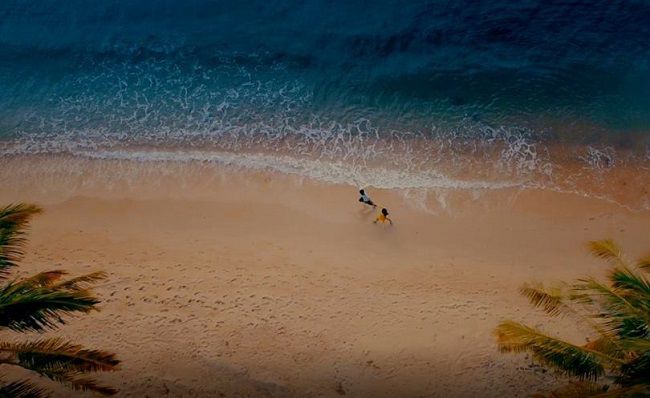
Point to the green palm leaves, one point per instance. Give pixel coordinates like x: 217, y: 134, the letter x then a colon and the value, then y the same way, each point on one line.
x: 40, y: 303
x: 13, y: 223
x: 618, y: 313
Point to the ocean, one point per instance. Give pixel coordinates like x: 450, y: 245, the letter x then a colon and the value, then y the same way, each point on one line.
x: 438, y: 95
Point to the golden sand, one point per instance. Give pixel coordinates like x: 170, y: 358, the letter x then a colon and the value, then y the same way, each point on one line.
x: 226, y: 282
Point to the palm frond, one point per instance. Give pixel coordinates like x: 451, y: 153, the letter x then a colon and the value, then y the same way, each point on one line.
x: 82, y: 282
x: 636, y: 371
x: 21, y: 389
x: 76, y: 383
x: 62, y: 362
x: 552, y: 301
x: 621, y: 315
x: 633, y: 286
x: 608, y: 250
x: 636, y: 391
x: 564, y: 356
x: 555, y: 301
x: 38, y: 303
x: 597, y: 391
x: 608, y: 345
x: 13, y: 224
x: 58, y: 354
x: 29, y: 308
x: 17, y: 214
x: 635, y: 345
x: 87, y: 384
x: 644, y: 263
x: 591, y: 291
x: 575, y: 389
x: 44, y: 278
x: 618, y: 309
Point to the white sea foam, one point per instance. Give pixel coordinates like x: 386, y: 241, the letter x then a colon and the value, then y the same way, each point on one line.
x: 337, y: 172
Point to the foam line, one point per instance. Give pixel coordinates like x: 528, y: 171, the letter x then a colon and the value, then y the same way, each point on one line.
x: 326, y: 171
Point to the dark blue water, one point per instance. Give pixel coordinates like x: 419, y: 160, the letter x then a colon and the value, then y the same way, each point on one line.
x: 326, y: 75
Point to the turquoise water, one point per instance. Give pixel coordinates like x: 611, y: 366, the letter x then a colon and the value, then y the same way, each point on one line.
x: 409, y: 86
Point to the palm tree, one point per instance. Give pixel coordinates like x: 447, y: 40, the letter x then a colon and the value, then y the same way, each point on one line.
x: 38, y: 304
x: 618, y: 313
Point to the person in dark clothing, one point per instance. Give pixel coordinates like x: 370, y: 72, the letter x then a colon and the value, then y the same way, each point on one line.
x: 366, y: 199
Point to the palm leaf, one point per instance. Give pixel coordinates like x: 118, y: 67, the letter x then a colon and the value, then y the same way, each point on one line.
x: 17, y: 215
x: 38, y: 303
x: 575, y: 389
x: 62, y: 362
x: 58, y: 354
x: 82, y: 282
x: 552, y: 301
x: 74, y: 382
x: 633, y: 286
x: 86, y: 384
x: 44, y: 278
x: 598, y: 391
x: 636, y: 371
x: 52, y: 279
x: 608, y: 250
x: 636, y: 391
x: 29, y: 308
x: 635, y: 345
x: 620, y: 314
x: 644, y: 263
x: 607, y: 344
x: 566, y: 357
x: 13, y: 223
x: 21, y: 389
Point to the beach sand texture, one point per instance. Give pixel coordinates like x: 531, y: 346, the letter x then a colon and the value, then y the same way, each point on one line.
x: 233, y: 283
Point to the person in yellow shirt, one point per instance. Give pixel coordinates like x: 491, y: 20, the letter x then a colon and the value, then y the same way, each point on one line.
x: 383, y: 217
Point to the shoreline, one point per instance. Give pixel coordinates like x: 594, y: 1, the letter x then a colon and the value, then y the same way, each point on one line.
x: 272, y: 285
x: 62, y: 176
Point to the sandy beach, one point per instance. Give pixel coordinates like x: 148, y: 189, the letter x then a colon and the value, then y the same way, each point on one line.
x: 227, y: 282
